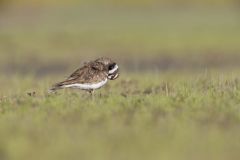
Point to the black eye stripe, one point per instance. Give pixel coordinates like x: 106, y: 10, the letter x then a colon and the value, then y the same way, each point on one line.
x: 112, y: 66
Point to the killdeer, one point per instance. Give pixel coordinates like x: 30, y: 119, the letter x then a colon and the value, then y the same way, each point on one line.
x: 93, y: 75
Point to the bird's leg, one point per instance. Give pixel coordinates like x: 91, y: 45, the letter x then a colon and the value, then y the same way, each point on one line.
x: 91, y: 93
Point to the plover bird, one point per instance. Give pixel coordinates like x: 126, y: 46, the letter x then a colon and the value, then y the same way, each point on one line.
x: 93, y: 75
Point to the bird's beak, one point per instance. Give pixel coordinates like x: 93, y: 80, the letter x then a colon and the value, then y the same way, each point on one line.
x: 114, y: 75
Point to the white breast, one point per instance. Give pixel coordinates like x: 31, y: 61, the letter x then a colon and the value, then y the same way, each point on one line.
x: 87, y: 86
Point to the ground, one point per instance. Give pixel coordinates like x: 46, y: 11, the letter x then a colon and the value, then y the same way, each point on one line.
x: 147, y: 116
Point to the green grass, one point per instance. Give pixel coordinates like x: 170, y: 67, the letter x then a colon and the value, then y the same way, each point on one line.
x: 139, y: 116
x: 169, y: 109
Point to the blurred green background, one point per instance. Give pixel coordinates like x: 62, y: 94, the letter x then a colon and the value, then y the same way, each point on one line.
x: 177, y: 96
x: 51, y: 37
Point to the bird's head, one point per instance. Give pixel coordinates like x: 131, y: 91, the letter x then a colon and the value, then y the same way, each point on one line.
x: 111, y: 67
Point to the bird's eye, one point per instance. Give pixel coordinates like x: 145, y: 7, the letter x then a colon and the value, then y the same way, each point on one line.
x: 111, y: 66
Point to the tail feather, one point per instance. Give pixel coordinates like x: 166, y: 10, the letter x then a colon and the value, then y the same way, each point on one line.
x: 55, y: 88
x: 59, y: 86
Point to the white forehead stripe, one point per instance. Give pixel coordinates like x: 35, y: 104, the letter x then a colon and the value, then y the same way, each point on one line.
x: 114, y: 69
x: 87, y: 86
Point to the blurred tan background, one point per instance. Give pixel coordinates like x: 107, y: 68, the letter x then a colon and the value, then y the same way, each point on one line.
x: 44, y: 37
x: 125, y: 2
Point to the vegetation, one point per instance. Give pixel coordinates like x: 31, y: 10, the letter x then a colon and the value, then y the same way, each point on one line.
x: 177, y: 96
x: 172, y: 116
